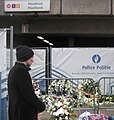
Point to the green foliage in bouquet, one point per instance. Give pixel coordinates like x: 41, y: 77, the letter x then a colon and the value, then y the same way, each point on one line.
x: 109, y: 98
x: 90, y: 87
x: 88, y: 93
x: 60, y: 87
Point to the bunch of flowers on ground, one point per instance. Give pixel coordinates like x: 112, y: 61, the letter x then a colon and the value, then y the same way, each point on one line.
x: 60, y: 101
x: 60, y: 107
x: 88, y: 92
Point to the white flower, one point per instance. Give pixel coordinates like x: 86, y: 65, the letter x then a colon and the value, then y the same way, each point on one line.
x: 58, y: 104
x: 59, y: 111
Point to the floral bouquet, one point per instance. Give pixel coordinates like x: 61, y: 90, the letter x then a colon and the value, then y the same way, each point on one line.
x: 36, y: 88
x: 60, y: 87
x: 90, y: 87
x: 59, y: 102
x: 60, y: 107
x: 88, y: 92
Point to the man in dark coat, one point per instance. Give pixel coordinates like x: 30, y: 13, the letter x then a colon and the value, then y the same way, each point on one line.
x: 23, y: 103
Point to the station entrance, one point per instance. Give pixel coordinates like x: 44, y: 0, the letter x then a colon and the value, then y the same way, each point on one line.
x: 63, y: 40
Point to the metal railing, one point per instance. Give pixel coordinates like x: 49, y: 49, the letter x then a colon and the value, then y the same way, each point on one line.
x: 106, y: 102
x: 105, y: 84
x: 75, y: 82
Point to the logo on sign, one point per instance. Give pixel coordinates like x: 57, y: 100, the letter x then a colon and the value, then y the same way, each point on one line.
x: 13, y: 5
x: 96, y: 58
x: 8, y: 6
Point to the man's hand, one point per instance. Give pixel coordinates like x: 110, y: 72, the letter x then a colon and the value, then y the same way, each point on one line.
x: 39, y: 116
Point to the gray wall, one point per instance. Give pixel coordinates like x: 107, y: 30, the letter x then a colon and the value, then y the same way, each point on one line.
x: 75, y: 7
x: 64, y: 17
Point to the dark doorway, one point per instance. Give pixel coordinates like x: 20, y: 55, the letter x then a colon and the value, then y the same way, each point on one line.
x: 63, y: 40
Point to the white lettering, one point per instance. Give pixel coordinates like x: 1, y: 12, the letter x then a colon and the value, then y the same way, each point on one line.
x: 35, y: 3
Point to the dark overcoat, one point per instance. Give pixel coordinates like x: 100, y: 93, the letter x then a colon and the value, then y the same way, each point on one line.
x: 23, y: 103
